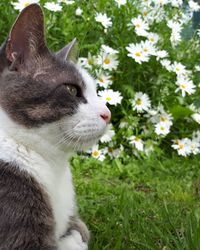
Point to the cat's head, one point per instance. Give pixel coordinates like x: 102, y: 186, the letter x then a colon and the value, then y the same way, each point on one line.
x: 41, y: 90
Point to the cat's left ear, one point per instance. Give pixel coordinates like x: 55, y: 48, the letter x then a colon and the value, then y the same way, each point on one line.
x: 26, y: 38
x: 69, y: 52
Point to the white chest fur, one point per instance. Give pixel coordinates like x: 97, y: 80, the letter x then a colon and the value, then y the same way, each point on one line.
x: 51, y: 171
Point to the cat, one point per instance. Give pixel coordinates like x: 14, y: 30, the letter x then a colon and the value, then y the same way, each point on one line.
x: 49, y: 108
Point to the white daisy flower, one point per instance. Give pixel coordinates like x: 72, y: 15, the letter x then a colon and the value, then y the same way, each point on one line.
x: 97, y: 153
x: 176, y: 28
x: 176, y: 3
x: 196, y: 136
x: 178, y: 68
x: 182, y: 146
x: 137, y: 142
x: 104, y: 20
x: 175, y: 38
x: 108, y: 61
x: 162, y: 128
x: 79, y: 11
x: 140, y: 26
x: 148, y: 48
x: 103, y: 79
x: 108, y: 135
x: 21, y: 4
x: 110, y: 96
x: 146, y: 15
x: 153, y: 37
x: 197, y: 68
x: 166, y: 64
x: 88, y: 62
x: 161, y: 2
x: 120, y: 2
x: 193, y: 108
x: 67, y: 2
x: 165, y: 118
x: 160, y: 54
x: 185, y: 86
x: 161, y: 117
x: 108, y: 49
x: 115, y: 152
x: 53, y: 6
x: 141, y: 102
x: 194, y: 147
x: 194, y: 6
x: 196, y: 117
x: 136, y: 52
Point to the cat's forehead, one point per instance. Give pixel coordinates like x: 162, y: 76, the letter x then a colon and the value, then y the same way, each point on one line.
x: 54, y: 71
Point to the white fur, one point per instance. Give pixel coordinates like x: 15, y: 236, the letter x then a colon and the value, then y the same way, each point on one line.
x: 72, y: 242
x: 49, y: 168
x: 44, y: 152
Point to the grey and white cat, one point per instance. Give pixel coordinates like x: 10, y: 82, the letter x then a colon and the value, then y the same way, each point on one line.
x: 48, y: 107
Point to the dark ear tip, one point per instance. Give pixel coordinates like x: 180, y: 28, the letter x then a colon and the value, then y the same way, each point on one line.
x: 33, y: 7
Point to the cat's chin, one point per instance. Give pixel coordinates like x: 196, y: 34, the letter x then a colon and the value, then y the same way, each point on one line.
x: 81, y: 144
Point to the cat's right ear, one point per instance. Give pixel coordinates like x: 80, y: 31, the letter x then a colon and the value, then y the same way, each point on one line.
x: 69, y: 52
x: 26, y: 38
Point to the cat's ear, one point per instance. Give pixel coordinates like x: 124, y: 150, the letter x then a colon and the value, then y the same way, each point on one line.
x: 69, y: 52
x: 26, y: 37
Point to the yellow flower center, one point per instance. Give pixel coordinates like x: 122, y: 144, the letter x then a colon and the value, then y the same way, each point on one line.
x: 110, y: 150
x: 137, y: 25
x: 139, y: 101
x: 177, y: 69
x: 163, y: 119
x: 137, y: 139
x: 101, y: 80
x: 183, y: 86
x: 181, y: 146
x: 138, y: 54
x: 95, y: 153
x: 145, y: 13
x: 90, y: 61
x: 106, y: 60
x: 108, y: 98
x: 162, y: 128
x: 146, y: 50
x: 152, y: 39
x: 26, y: 4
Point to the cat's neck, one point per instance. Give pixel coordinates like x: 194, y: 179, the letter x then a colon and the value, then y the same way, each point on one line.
x: 35, y: 140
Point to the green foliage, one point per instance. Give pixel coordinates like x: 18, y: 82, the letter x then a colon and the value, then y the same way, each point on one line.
x: 130, y: 77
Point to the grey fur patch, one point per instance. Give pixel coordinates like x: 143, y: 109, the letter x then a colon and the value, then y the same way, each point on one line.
x: 25, y: 214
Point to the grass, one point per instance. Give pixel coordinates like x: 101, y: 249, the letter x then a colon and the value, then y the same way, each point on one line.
x: 152, y: 204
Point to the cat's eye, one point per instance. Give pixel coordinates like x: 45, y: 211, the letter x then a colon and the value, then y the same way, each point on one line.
x: 71, y: 89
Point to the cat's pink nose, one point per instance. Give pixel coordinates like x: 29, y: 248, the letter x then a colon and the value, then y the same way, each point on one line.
x: 106, y: 116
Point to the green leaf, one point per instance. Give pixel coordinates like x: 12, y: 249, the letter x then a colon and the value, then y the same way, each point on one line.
x: 179, y: 112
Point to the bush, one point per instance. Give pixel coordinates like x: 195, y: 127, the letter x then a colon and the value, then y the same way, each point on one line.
x: 145, y: 58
